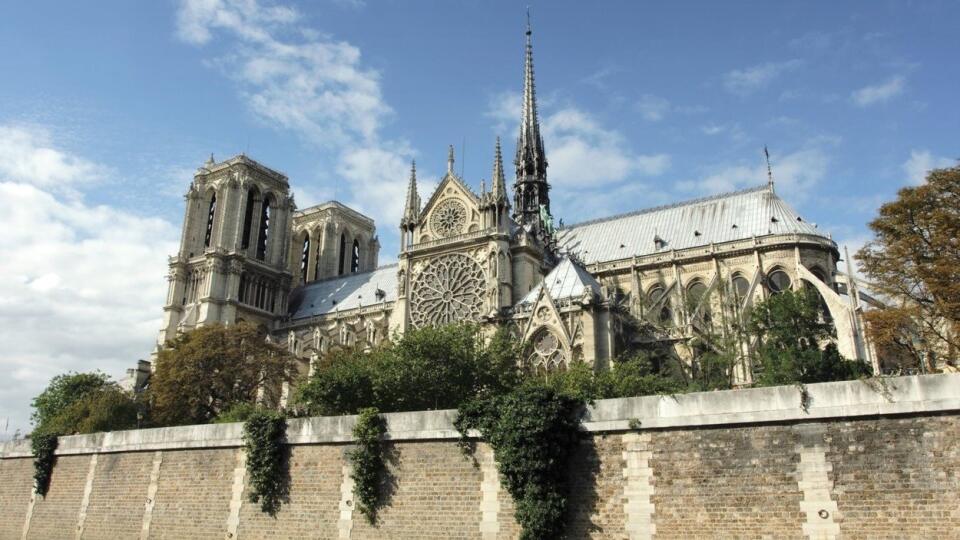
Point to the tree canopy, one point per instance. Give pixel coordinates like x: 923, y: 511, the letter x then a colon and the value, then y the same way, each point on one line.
x: 83, y: 403
x: 914, y: 262
x: 792, y: 328
x: 212, y: 368
x: 427, y: 368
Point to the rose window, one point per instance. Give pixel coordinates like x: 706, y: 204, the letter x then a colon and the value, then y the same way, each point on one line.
x: 449, y: 218
x: 547, y: 354
x: 449, y: 289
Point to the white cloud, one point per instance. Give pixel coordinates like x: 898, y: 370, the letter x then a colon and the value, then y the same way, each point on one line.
x: 583, y: 154
x: 878, y: 93
x: 748, y: 80
x: 81, y: 286
x: 652, y: 108
x: 301, y: 80
x: 28, y: 155
x: 922, y: 162
x: 795, y: 175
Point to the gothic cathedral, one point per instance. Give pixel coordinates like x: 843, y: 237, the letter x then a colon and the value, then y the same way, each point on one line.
x: 663, y: 278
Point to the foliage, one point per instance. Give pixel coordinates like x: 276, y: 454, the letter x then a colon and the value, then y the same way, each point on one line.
x: 240, y: 412
x: 533, y: 431
x: 63, y: 391
x: 368, y: 461
x: 264, y: 439
x: 427, y: 368
x: 914, y: 261
x: 791, y: 326
x: 106, y: 409
x: 206, y: 371
x: 43, y: 445
x: 895, y: 332
x: 634, y: 376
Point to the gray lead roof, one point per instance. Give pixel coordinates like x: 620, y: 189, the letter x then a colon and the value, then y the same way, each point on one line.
x: 347, y: 292
x: 721, y: 218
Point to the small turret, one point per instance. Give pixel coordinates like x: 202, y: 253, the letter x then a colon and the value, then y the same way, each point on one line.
x: 411, y: 210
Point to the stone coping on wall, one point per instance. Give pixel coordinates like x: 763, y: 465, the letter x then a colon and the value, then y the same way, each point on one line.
x: 848, y: 399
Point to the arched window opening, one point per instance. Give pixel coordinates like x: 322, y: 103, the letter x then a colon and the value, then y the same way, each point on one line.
x: 317, y: 268
x: 355, y: 258
x: 697, y: 295
x: 778, y: 281
x: 343, y: 254
x: 211, y: 214
x: 820, y: 274
x: 265, y: 215
x: 656, y: 300
x: 304, y: 258
x: 248, y: 219
x: 741, y: 287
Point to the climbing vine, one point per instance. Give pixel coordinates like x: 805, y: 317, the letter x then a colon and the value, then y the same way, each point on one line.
x: 264, y: 438
x: 43, y: 445
x: 368, y: 461
x: 533, y: 431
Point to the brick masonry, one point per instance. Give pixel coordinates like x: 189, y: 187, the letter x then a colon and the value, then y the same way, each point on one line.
x: 870, y: 476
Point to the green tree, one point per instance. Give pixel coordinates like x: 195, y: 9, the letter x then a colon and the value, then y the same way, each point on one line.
x: 106, y: 409
x: 791, y: 328
x: 427, y: 368
x: 914, y: 262
x: 63, y: 391
x: 210, y: 369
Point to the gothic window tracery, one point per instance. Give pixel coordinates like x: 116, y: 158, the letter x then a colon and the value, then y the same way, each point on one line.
x: 449, y: 218
x: 778, y: 281
x: 547, y: 354
x: 448, y: 289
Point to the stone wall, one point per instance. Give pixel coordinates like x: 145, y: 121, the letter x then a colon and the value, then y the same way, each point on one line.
x: 862, y: 460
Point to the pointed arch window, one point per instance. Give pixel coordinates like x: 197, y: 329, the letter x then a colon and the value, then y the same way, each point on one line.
x: 211, y: 215
x: 697, y: 295
x: 265, y: 215
x: 661, y: 304
x: 304, y: 258
x: 343, y: 253
x: 355, y: 258
x: 248, y: 219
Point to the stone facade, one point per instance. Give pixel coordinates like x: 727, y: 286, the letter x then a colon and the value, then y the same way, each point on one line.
x: 861, y: 461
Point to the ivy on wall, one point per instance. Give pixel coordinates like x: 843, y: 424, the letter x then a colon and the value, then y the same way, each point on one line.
x: 264, y: 439
x: 533, y: 431
x: 43, y: 445
x: 368, y: 461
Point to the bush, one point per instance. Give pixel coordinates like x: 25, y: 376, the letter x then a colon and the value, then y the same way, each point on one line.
x: 533, y: 431
x: 264, y: 439
x: 63, y: 391
x: 240, y: 412
x: 106, y: 409
x: 427, y: 368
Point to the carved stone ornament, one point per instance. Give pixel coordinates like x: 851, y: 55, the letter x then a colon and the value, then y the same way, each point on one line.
x: 449, y: 218
x: 449, y: 289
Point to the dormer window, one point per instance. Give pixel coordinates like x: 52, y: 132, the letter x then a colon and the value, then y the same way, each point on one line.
x: 658, y: 242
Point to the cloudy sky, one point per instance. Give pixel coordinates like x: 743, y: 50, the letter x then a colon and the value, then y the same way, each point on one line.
x: 106, y: 108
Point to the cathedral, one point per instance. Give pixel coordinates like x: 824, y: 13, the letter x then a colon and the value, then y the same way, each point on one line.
x: 671, y: 278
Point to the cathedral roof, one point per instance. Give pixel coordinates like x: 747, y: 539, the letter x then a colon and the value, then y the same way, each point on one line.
x: 722, y: 218
x: 345, y: 292
x: 567, y: 280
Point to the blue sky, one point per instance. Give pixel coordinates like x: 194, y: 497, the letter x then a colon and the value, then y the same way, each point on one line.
x: 106, y: 108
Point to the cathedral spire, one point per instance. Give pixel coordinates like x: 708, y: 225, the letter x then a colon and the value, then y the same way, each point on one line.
x: 411, y: 210
x: 531, y: 198
x: 498, y: 188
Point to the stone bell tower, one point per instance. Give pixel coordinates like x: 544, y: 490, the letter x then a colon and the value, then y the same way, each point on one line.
x: 232, y: 262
